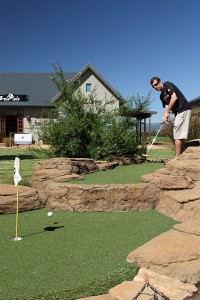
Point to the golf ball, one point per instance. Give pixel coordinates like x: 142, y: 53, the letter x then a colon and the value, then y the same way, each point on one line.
x: 50, y: 214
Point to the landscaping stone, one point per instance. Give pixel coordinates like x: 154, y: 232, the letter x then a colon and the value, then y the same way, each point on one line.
x: 129, y: 197
x: 104, y: 165
x: 168, y: 182
x: 175, y: 253
x: 172, y: 288
x: 188, y: 167
x: 28, y: 199
x: 181, y: 205
x: 191, y: 227
x: 65, y: 169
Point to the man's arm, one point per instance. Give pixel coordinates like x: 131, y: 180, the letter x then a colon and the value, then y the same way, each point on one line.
x: 169, y: 107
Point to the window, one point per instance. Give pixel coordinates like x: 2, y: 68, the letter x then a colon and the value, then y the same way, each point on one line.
x: 20, y: 125
x: 88, y: 87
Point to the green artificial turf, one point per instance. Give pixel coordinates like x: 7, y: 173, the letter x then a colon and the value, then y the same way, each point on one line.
x: 28, y: 160
x: 71, y: 254
x: 120, y: 175
x: 162, y: 153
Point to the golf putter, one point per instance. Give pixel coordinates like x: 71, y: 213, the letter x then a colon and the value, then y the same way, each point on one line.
x: 153, y: 141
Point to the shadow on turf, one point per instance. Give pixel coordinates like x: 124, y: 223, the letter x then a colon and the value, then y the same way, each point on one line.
x: 12, y: 157
x: 48, y: 228
x: 52, y: 228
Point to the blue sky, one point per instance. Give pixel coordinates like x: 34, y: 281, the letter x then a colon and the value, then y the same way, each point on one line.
x: 127, y: 41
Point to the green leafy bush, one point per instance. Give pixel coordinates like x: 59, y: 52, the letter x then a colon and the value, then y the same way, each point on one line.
x: 6, y: 141
x: 84, y: 126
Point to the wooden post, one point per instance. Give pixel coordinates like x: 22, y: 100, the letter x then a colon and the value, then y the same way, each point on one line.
x: 144, y: 140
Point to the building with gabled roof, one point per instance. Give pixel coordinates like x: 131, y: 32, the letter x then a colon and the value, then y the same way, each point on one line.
x: 24, y: 95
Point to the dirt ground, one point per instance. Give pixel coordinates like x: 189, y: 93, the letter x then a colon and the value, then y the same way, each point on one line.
x: 2, y: 146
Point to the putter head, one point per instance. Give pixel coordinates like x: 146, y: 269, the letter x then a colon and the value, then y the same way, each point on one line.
x: 145, y: 155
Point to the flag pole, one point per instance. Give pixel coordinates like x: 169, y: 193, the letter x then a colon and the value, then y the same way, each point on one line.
x: 17, y: 210
x: 17, y: 179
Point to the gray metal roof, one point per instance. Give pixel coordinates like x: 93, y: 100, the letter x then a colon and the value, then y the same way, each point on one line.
x: 195, y: 102
x: 39, y: 87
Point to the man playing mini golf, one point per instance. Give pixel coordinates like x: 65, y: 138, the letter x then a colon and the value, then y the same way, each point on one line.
x: 174, y: 101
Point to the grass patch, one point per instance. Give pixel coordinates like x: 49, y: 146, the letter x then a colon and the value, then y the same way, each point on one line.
x: 71, y: 254
x: 120, y: 175
x: 28, y: 160
x: 163, y: 153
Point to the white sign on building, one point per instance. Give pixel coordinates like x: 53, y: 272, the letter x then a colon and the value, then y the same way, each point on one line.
x: 22, y: 139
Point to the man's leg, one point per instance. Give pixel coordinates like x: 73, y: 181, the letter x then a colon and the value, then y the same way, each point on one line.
x: 180, y: 130
x: 178, y: 146
x: 183, y: 145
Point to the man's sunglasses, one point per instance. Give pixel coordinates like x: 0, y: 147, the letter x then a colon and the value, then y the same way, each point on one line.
x: 155, y: 84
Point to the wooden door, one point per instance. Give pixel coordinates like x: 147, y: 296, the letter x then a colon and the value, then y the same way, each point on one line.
x: 2, y: 128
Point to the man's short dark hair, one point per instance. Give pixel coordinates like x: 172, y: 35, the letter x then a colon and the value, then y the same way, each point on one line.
x: 155, y: 78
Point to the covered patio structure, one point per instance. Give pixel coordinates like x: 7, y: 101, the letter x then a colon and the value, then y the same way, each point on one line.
x: 142, y: 130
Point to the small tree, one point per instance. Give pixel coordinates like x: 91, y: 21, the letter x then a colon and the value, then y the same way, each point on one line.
x: 81, y: 126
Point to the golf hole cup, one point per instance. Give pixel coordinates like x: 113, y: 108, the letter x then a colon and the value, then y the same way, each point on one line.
x: 50, y: 214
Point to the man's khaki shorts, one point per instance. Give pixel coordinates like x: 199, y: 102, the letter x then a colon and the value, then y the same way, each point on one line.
x: 181, y: 125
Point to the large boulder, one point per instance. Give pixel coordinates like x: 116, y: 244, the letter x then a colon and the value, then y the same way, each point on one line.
x: 179, y: 182
x: 175, y: 253
x: 181, y: 205
x: 186, y: 167
x: 28, y: 199
x: 129, y: 197
x: 187, y: 164
x: 170, y: 287
x: 65, y: 169
x: 168, y: 181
